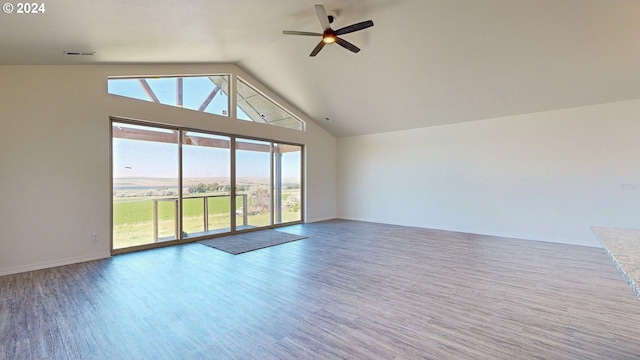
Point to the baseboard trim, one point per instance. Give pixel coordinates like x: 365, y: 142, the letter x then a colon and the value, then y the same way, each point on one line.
x: 50, y: 264
x: 595, y: 244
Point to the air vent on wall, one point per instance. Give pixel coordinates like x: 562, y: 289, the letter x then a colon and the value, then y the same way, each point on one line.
x: 79, y: 53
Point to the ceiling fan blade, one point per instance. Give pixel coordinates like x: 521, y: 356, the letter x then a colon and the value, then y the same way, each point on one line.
x: 322, y: 16
x: 354, y: 27
x: 317, y: 49
x: 305, y: 33
x: 347, y: 45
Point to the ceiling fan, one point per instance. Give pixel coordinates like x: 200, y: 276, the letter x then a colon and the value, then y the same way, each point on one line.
x: 330, y: 36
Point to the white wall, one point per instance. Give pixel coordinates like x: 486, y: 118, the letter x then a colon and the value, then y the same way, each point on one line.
x: 55, y: 157
x: 544, y: 176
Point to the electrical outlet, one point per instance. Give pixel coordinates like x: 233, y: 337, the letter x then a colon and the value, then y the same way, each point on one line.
x: 94, y: 238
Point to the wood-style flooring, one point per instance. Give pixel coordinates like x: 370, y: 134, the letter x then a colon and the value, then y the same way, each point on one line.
x: 351, y: 290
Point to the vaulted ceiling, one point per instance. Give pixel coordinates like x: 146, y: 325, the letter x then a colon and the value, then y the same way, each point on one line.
x: 424, y: 63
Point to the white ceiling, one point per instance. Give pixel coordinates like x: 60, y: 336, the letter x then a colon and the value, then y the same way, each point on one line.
x: 424, y: 63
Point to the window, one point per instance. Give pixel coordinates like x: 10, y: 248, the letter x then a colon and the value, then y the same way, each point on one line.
x: 201, y: 93
x: 209, y: 94
x: 254, y: 106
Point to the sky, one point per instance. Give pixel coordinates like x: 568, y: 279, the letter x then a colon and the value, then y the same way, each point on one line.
x: 136, y: 158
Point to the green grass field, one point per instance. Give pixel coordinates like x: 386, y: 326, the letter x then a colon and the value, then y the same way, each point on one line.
x: 132, y: 218
x: 127, y: 211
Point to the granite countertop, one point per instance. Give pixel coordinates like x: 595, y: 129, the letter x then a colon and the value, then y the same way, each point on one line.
x: 623, y: 246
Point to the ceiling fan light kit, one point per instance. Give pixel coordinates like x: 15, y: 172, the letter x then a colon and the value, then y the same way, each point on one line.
x: 330, y: 36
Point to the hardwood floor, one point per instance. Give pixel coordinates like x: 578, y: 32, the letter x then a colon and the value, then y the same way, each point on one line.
x: 351, y: 290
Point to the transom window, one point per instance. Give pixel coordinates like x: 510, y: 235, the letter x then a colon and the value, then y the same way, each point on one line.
x: 201, y: 93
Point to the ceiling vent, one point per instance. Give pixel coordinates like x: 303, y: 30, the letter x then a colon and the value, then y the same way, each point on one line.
x: 79, y: 53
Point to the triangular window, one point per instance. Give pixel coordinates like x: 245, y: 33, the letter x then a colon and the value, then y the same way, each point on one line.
x: 256, y: 107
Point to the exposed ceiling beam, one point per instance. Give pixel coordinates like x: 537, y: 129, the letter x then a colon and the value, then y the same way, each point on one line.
x: 147, y: 89
x: 209, y: 98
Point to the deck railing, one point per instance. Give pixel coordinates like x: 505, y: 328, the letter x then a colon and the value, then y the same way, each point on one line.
x: 205, y: 212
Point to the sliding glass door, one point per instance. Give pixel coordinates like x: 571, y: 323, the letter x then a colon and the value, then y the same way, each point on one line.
x: 145, y: 185
x: 287, y: 182
x: 253, y: 182
x: 172, y: 184
x: 206, y: 184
